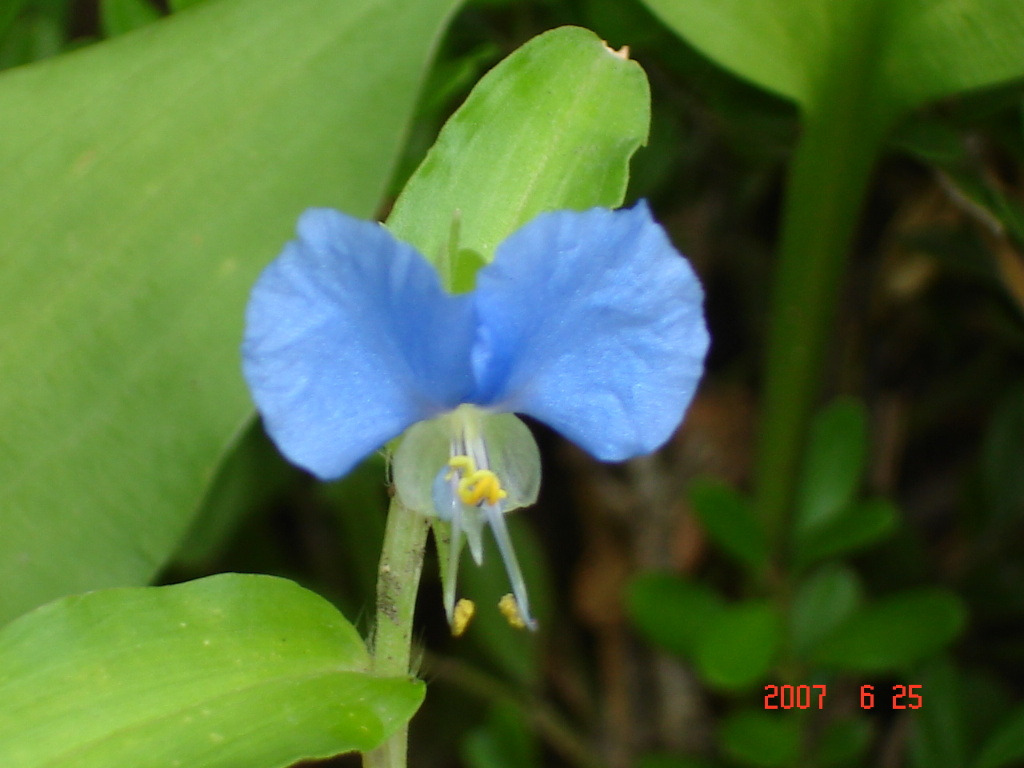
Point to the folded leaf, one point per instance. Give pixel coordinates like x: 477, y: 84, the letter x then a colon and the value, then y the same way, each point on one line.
x: 226, y: 671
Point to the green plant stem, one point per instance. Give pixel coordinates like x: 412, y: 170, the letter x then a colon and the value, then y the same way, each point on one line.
x: 828, y: 176
x: 398, y: 579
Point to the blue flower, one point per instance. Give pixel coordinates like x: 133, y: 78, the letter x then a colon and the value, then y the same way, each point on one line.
x: 588, y: 321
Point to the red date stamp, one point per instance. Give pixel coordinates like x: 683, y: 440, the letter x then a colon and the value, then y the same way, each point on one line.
x: 789, y: 696
x: 813, y: 696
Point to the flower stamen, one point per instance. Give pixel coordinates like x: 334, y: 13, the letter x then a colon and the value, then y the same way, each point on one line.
x: 482, y: 485
x: 509, y: 607
x: 476, y: 486
x: 464, y: 610
x: 468, y: 494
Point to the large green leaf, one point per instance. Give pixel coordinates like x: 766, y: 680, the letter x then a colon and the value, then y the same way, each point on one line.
x: 224, y: 672
x: 552, y: 126
x: 772, y: 43
x: 146, y: 180
x: 936, y: 48
x: 905, y: 52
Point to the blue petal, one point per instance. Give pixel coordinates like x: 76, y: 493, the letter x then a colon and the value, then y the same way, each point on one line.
x: 591, y: 322
x: 349, y: 340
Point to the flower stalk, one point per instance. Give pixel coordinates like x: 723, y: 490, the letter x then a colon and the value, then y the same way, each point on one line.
x: 398, y: 579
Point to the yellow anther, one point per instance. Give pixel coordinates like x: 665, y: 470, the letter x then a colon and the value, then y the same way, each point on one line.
x: 482, y: 485
x: 475, y: 485
x: 463, y: 463
x: 510, y: 610
x: 461, y: 616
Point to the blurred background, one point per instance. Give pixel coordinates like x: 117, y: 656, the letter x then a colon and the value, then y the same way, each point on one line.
x: 672, y: 635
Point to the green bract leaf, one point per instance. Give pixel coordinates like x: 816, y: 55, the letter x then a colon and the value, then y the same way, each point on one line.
x: 737, y: 647
x: 762, y: 739
x: 552, y: 126
x: 426, y: 447
x: 728, y: 519
x: 894, y: 632
x: 227, y: 671
x: 148, y: 179
x: 903, y: 52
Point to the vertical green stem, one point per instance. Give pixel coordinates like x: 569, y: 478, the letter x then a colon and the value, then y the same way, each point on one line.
x: 828, y: 176
x: 398, y: 579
